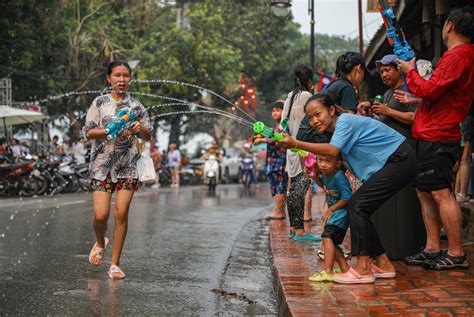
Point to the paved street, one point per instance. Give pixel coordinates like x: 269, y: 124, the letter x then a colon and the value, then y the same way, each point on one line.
x: 181, y: 244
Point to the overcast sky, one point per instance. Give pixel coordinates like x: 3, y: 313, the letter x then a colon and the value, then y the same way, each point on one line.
x: 336, y: 17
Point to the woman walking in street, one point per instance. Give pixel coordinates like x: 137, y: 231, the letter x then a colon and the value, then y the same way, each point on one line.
x: 113, y: 164
x: 381, y: 158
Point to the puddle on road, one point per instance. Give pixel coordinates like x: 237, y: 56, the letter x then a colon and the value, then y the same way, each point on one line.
x: 73, y: 292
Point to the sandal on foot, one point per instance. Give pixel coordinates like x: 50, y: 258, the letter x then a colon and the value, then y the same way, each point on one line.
x: 353, y: 277
x: 381, y: 273
x: 421, y: 257
x: 321, y: 277
x: 116, y: 273
x: 98, y: 253
x: 307, y: 237
x: 447, y: 262
x: 272, y: 217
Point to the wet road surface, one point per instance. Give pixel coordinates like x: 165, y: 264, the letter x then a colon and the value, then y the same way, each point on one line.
x: 181, y: 244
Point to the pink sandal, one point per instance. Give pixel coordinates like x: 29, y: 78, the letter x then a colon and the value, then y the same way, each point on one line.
x: 380, y: 273
x: 98, y: 253
x: 353, y: 277
x: 116, y: 273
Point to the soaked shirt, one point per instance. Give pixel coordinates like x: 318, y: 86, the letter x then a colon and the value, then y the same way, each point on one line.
x: 117, y: 157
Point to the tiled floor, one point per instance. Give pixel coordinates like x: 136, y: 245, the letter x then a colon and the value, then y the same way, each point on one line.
x: 415, y: 291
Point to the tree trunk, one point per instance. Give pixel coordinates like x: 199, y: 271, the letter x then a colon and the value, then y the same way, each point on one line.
x: 175, y: 130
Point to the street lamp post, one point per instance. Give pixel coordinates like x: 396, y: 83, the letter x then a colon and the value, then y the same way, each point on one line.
x: 282, y: 8
x: 311, y: 46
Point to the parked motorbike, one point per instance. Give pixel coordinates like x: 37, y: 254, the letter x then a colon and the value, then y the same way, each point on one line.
x: 211, y: 172
x: 18, y: 178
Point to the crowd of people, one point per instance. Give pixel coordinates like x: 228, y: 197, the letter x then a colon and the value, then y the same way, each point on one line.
x: 363, y: 153
x: 410, y: 139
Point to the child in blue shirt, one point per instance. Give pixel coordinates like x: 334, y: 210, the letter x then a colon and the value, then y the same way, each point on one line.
x: 275, y: 167
x: 335, y: 217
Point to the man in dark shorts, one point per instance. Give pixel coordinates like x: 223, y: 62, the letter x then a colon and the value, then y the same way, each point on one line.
x: 446, y: 100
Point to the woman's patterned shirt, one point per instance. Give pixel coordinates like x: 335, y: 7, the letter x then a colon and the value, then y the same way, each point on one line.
x: 117, y: 157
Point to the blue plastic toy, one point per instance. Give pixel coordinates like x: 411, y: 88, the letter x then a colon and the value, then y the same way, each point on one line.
x: 123, y: 121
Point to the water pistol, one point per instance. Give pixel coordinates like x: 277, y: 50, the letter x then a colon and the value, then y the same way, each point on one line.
x: 123, y: 121
x: 255, y: 137
x: 395, y: 36
x: 260, y: 128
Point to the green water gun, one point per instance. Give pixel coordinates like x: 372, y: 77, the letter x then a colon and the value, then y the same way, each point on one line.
x: 260, y: 128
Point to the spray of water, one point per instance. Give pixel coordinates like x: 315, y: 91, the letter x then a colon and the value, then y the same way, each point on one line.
x: 194, y: 105
x: 174, y: 82
x: 175, y: 113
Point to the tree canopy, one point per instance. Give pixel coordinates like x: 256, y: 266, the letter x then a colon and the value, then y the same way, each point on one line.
x: 52, y: 47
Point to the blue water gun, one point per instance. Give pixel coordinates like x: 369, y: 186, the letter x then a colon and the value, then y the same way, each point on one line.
x: 123, y: 121
x: 395, y: 36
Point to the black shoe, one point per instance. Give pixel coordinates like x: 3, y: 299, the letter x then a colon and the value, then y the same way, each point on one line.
x: 421, y: 257
x: 447, y: 262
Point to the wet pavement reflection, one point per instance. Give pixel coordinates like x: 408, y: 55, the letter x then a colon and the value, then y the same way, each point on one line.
x: 181, y: 244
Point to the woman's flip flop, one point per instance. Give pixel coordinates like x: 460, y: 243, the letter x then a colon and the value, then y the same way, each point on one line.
x: 116, y: 273
x: 98, y: 253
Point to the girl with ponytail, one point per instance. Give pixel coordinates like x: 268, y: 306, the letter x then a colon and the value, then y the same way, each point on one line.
x: 299, y: 183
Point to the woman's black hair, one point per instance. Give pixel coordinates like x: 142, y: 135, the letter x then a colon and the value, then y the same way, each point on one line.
x: 346, y: 63
x: 114, y: 64
x: 302, y: 75
x: 323, y: 98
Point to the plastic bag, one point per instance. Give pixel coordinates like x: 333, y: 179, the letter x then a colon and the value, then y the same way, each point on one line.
x: 146, y: 169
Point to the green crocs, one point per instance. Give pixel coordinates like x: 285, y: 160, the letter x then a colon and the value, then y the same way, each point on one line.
x: 321, y: 277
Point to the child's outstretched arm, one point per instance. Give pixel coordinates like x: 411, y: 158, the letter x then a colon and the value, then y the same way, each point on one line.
x: 327, y: 214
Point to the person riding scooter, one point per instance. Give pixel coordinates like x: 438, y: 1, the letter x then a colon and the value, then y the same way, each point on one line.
x: 211, y: 172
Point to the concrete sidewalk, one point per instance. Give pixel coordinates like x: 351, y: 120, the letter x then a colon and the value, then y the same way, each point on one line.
x: 415, y: 291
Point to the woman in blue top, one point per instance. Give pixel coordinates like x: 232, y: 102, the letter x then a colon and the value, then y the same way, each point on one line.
x: 380, y: 158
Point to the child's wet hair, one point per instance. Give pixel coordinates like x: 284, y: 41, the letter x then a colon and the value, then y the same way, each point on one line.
x: 114, y: 64
x: 278, y: 104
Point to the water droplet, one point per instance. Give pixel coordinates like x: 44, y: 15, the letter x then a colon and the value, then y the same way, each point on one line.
x: 46, y: 223
x: 37, y: 234
x: 19, y: 261
x: 34, y: 214
x: 25, y: 254
x: 2, y: 235
x: 57, y: 207
x: 27, y: 221
x: 12, y: 216
x: 16, y: 211
x: 8, y: 228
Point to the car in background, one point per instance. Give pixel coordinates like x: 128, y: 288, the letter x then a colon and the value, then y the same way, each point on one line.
x: 230, y: 165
